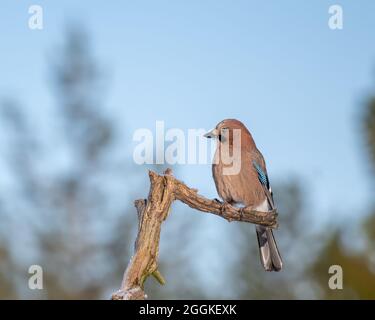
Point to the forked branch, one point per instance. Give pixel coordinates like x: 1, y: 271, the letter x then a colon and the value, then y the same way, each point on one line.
x: 152, y: 212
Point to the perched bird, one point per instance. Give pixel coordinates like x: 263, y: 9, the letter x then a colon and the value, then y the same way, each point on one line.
x: 248, y: 185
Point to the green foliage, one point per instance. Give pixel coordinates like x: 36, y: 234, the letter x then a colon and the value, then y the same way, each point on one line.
x: 359, y: 279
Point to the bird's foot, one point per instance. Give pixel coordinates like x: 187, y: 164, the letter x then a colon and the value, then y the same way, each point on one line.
x: 224, y: 207
x: 241, y: 213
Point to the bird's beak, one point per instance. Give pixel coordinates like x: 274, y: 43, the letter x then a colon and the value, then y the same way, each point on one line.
x: 212, y: 134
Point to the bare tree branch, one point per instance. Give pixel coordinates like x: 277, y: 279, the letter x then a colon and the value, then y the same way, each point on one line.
x: 152, y: 212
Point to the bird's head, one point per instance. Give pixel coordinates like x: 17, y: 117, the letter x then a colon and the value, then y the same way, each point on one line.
x: 225, y: 130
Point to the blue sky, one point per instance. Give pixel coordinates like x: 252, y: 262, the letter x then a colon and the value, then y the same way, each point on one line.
x: 275, y: 65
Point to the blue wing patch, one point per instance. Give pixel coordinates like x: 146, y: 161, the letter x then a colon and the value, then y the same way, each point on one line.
x: 262, y: 176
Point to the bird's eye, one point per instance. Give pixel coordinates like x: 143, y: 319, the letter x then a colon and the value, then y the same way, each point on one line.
x: 219, y: 137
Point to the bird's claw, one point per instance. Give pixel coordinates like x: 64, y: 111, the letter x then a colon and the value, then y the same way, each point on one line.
x: 241, y: 213
x: 224, y: 206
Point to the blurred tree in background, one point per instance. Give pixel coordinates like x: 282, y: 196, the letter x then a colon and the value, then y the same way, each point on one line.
x: 67, y: 205
x: 68, y: 185
x: 358, y: 265
x: 369, y: 129
x: 63, y: 181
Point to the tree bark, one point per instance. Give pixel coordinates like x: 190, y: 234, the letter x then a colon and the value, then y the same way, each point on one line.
x: 152, y: 212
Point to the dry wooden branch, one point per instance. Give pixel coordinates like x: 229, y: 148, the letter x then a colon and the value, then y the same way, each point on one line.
x: 152, y: 212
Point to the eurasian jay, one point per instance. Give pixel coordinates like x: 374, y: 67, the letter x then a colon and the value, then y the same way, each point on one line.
x: 248, y: 185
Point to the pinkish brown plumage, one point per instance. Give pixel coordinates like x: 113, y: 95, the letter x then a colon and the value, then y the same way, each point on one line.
x: 248, y: 184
